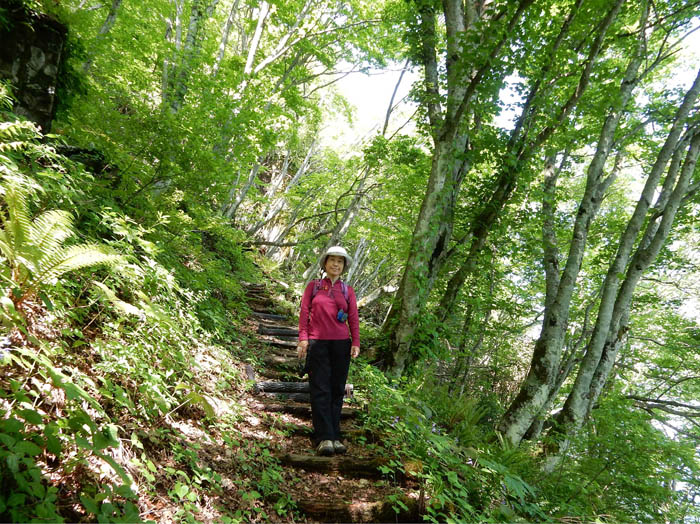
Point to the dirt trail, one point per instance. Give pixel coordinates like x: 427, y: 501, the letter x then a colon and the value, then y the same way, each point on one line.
x: 341, y: 488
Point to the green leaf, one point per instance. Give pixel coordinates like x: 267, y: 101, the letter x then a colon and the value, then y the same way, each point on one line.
x: 28, y: 448
x: 181, y: 489
x: 11, y: 425
x: 30, y: 416
x: 196, y: 398
x: 47, y: 302
x: 83, y: 443
x: 16, y: 499
x: 53, y: 445
x: 7, y: 439
x: 13, y: 462
x: 107, y: 437
x: 453, y: 478
x: 89, y: 504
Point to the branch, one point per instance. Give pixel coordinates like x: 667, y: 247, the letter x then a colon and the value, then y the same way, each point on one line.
x: 374, y: 295
x: 303, y: 219
x: 658, y: 403
x: 452, y: 125
x: 327, y: 84
x: 675, y: 383
x: 674, y: 428
x: 429, y: 59
x: 393, y: 95
x: 262, y: 16
x: 282, y: 50
x: 404, y: 124
x: 288, y: 244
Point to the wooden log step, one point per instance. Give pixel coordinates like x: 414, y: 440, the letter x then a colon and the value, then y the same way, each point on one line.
x: 283, y: 387
x: 293, y: 387
x: 287, y: 362
x: 265, y: 306
x: 279, y: 343
x: 320, y: 509
x: 267, y: 315
x: 282, y: 396
x: 349, y: 434
x: 284, y: 351
x: 360, y: 511
x: 278, y: 331
x: 275, y: 374
x: 288, y: 395
x: 276, y: 322
x: 302, y: 410
x: 346, y: 465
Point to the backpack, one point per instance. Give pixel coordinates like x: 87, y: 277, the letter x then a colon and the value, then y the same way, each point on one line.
x: 343, y: 288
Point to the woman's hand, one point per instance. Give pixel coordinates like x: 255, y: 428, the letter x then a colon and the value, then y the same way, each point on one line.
x: 355, y: 351
x: 302, y: 346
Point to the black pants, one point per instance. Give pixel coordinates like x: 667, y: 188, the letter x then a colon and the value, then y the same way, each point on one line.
x: 328, y: 364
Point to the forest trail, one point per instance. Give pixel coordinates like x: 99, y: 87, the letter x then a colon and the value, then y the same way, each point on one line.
x: 341, y: 488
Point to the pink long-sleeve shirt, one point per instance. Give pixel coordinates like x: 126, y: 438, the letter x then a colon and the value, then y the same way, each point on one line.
x: 318, y: 317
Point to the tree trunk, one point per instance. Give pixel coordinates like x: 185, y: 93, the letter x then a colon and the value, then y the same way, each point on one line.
x: 546, y: 359
x: 521, y: 149
x: 646, y: 253
x: 430, y: 237
x: 178, y: 77
x: 576, y: 404
x: 106, y: 28
x: 225, y: 33
x: 232, y: 208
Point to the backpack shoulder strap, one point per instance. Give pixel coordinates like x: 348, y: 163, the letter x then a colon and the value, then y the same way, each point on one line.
x: 317, y: 287
x: 344, y: 289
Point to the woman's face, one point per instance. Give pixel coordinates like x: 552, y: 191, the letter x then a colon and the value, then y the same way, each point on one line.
x: 334, y: 266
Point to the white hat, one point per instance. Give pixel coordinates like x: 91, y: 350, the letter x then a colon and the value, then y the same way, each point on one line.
x: 338, y: 251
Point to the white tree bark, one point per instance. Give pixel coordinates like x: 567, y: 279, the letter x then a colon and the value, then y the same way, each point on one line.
x: 546, y: 359
x: 263, y: 11
x: 106, y: 28
x: 656, y: 233
x: 225, y: 34
x: 433, y: 229
x: 577, y: 402
x: 178, y: 78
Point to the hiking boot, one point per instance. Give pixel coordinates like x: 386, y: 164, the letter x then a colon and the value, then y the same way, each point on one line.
x: 325, y: 447
x: 339, y: 447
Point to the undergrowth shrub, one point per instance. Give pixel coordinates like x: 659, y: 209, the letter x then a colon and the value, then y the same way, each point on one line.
x: 129, y: 346
x: 619, y: 458
x: 432, y: 438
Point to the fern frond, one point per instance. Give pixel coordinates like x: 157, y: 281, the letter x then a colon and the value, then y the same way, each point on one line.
x: 5, y: 248
x: 72, y: 258
x: 124, y: 307
x: 33, y: 248
x: 18, y: 223
x: 12, y: 146
x: 51, y: 228
x: 18, y: 129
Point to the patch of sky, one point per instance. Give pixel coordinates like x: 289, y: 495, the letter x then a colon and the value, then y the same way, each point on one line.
x: 511, y: 101
x: 369, y: 94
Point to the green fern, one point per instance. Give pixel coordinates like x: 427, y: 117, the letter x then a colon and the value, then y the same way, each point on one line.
x: 5, y: 90
x: 33, y: 248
